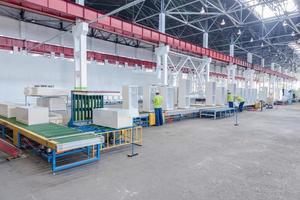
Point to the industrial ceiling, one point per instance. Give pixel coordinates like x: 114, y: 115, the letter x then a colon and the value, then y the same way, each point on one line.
x: 262, y: 27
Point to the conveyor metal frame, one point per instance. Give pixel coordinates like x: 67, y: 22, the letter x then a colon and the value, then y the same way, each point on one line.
x: 217, y: 112
x: 58, y: 150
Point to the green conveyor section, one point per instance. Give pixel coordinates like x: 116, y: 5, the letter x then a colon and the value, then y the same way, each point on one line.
x: 58, y: 133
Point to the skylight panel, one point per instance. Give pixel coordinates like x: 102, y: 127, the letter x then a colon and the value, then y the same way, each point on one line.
x: 272, y: 8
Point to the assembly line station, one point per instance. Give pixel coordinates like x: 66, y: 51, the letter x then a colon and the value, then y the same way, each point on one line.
x: 149, y: 99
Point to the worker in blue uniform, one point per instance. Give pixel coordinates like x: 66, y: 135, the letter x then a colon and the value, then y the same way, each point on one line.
x: 241, y: 102
x: 157, y: 103
x: 230, y: 99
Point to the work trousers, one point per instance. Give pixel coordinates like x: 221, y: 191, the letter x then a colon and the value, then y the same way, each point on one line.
x: 158, y: 117
x: 241, y: 106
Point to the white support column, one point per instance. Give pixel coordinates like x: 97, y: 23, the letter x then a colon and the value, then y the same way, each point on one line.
x: 231, y: 69
x: 158, y: 66
x: 80, y: 31
x: 22, y: 30
x: 249, y: 78
x: 162, y: 22
x: 231, y: 50
x: 231, y: 73
x: 162, y: 17
x: 165, y: 67
x: 249, y: 57
x: 205, y: 40
x: 208, y: 70
x: 272, y: 66
x: 263, y: 62
x: 272, y: 88
x: 162, y: 63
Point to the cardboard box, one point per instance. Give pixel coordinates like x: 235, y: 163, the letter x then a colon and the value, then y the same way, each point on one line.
x: 8, y: 110
x: 30, y: 115
x: 112, y: 117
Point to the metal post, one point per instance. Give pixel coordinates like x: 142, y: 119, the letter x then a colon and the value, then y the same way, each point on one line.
x: 236, y: 117
x: 98, y: 152
x: 19, y: 139
x: 53, y: 160
x: 88, y: 151
x: 132, y: 145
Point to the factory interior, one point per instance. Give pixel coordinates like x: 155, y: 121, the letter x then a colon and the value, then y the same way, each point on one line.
x: 150, y: 99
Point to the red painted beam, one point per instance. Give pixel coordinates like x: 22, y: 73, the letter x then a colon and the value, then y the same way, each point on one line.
x: 69, y: 11
x: 222, y: 75
x: 8, y: 44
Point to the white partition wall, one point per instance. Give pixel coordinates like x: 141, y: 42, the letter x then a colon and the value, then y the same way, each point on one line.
x: 168, y: 94
x: 232, y: 87
x: 210, y: 93
x: 184, y: 91
x: 148, y: 95
x: 263, y: 93
x: 240, y: 92
x: 130, y: 94
x: 253, y: 96
x: 221, y: 97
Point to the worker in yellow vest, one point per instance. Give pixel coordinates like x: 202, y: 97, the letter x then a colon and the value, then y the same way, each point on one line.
x: 157, y: 103
x: 241, y: 102
x: 230, y: 99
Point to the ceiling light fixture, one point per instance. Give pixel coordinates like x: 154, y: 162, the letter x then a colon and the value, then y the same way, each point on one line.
x: 202, y: 10
x: 239, y: 32
x: 251, y: 40
x: 262, y: 44
x: 293, y: 34
x: 223, y: 22
x: 284, y: 23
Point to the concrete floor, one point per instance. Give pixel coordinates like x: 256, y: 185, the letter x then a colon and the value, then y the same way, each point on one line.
x: 194, y: 159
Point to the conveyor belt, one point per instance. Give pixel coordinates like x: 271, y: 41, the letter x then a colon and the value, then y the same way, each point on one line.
x: 55, y: 134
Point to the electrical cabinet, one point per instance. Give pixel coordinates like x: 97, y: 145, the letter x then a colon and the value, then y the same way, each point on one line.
x: 148, y: 95
x: 168, y: 94
x: 210, y: 93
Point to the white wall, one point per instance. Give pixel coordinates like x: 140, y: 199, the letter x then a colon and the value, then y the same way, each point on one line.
x: 21, y: 30
x: 19, y: 71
